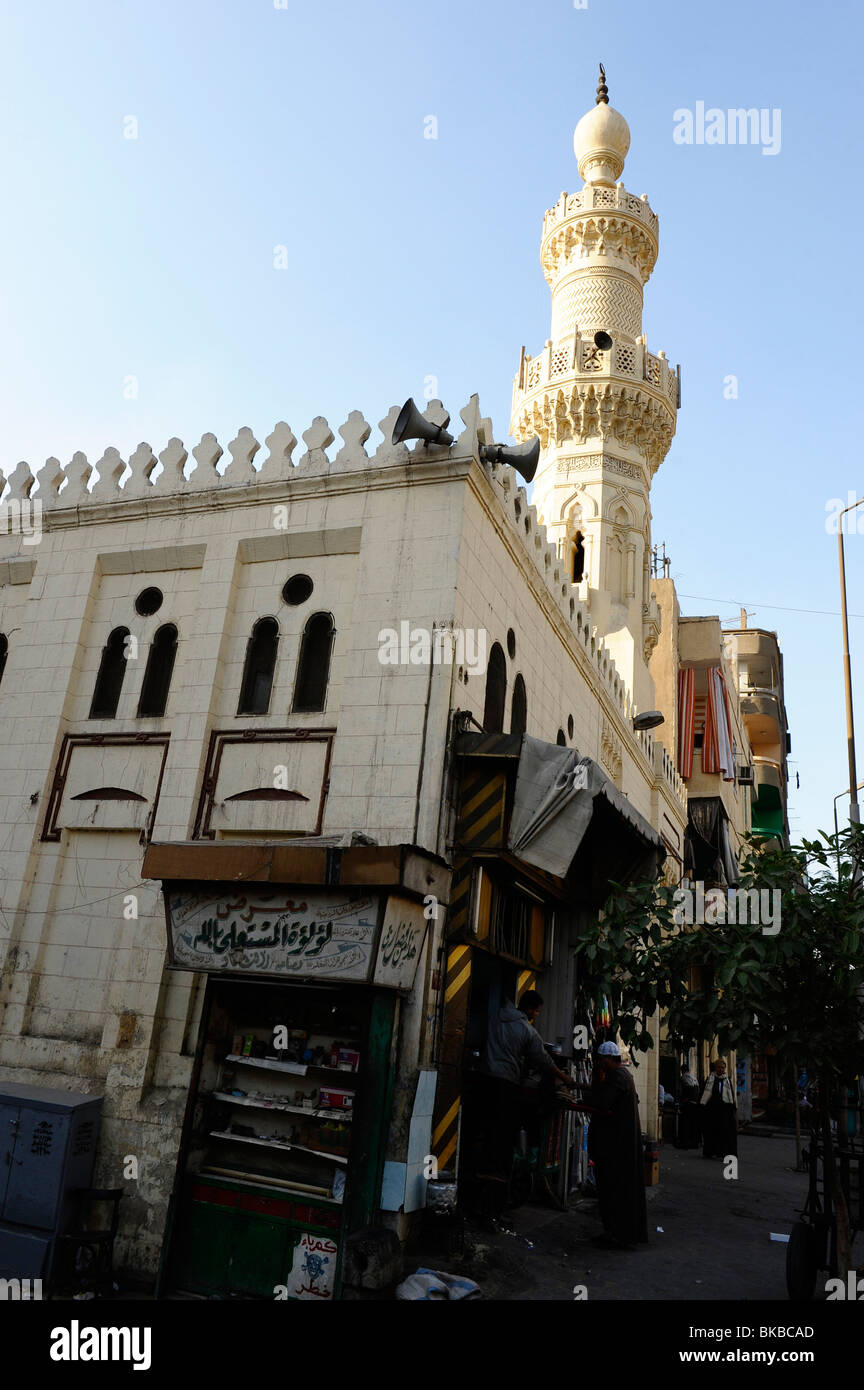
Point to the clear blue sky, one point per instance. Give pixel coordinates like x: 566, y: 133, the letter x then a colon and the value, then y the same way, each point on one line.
x: 303, y: 127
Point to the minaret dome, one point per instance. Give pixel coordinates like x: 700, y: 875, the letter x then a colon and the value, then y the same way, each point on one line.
x: 601, y: 140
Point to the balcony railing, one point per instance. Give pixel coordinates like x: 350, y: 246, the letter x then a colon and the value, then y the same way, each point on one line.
x: 577, y: 355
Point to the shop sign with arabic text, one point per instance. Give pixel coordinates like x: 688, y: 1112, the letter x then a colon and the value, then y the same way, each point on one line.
x: 317, y: 936
x: 312, y: 935
x: 402, y: 935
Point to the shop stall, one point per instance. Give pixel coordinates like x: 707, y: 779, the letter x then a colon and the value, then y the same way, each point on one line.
x: 288, y: 1112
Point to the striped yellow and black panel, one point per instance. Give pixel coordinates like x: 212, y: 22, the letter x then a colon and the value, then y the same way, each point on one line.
x: 460, y: 897
x: 448, y: 1098
x: 482, y: 803
x: 527, y: 980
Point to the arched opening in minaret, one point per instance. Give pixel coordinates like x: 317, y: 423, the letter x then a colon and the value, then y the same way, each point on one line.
x: 577, y: 558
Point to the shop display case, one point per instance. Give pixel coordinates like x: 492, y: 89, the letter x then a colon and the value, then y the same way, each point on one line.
x: 270, y: 1143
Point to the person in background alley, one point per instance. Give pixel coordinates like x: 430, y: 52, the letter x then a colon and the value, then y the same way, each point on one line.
x: 719, y: 1114
x: 513, y: 1046
x: 688, y: 1133
x: 615, y: 1147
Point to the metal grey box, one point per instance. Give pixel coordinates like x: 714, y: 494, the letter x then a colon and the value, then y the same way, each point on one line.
x: 47, y: 1149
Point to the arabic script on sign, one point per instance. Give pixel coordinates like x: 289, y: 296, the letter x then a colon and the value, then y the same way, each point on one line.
x: 320, y: 934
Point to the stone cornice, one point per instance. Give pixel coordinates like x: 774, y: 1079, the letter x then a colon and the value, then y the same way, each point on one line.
x: 581, y: 411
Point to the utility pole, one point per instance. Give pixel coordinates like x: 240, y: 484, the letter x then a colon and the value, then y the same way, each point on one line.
x: 854, y: 813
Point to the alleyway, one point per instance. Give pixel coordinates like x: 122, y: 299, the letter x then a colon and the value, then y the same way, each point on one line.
x: 715, y: 1240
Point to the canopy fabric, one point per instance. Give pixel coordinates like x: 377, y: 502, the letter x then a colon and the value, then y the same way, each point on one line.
x: 718, y: 749
x: 714, y: 857
x: 554, y: 804
x: 686, y: 720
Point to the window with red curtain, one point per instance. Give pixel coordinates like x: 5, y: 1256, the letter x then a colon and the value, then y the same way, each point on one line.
x: 686, y: 720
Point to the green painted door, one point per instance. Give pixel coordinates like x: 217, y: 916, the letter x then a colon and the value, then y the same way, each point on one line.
x: 203, y: 1248
x: 259, y: 1253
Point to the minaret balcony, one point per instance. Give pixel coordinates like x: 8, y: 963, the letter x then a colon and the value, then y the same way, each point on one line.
x: 576, y: 358
x: 595, y: 199
x: 574, y: 391
x: 599, y: 227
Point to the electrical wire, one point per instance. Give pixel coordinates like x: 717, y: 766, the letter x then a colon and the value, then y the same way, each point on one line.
x: 776, y: 607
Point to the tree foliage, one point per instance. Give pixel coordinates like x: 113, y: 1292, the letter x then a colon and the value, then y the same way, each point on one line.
x: 794, y: 984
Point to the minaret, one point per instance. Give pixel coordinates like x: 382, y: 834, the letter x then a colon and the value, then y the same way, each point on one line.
x: 603, y: 405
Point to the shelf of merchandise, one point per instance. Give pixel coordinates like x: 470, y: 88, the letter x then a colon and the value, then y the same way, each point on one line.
x: 275, y: 1144
x: 290, y: 1068
x: 332, y: 1113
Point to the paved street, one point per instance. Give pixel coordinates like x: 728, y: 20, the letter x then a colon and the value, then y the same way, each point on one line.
x: 714, y: 1242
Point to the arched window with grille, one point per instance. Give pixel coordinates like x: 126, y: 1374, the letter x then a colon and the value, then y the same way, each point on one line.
x: 4, y: 652
x: 519, y: 707
x: 157, y: 674
x: 313, y: 664
x: 109, y: 681
x: 496, y: 691
x: 258, y: 668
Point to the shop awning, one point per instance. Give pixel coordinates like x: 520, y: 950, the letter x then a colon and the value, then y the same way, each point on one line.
x: 566, y: 817
x: 555, y: 804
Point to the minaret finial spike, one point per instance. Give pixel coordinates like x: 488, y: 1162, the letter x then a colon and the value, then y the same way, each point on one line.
x: 602, y: 89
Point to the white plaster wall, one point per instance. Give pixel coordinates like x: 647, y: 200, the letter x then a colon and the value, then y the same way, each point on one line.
x: 85, y: 998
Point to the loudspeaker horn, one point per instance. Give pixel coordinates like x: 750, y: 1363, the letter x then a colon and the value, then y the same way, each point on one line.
x: 602, y: 341
x: 410, y: 424
x: 522, y: 457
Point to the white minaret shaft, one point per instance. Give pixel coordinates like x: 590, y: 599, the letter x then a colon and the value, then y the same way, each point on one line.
x: 603, y: 405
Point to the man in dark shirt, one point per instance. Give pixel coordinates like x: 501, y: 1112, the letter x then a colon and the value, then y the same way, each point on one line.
x: 512, y: 1046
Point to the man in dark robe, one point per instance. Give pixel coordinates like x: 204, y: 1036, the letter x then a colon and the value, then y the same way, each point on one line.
x: 615, y: 1147
x: 719, y: 1115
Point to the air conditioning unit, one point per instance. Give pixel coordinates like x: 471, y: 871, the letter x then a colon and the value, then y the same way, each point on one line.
x: 745, y: 776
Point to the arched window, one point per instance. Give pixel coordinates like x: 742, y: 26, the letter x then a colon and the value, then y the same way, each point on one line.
x: 109, y: 681
x: 561, y: 739
x: 157, y: 674
x: 313, y: 664
x: 258, y: 668
x: 578, y: 557
x: 519, y: 707
x: 496, y: 691
x: 4, y: 652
